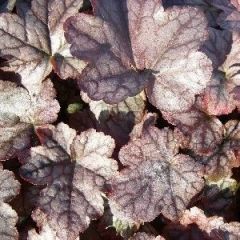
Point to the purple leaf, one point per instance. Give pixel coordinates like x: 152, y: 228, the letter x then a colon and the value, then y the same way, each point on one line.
x: 145, y: 236
x: 20, y: 111
x: 75, y: 169
x: 141, y: 190
x: 31, y: 40
x: 9, y: 188
x: 129, y: 45
x: 214, y: 226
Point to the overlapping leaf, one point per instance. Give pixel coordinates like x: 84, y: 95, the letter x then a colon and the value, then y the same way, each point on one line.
x: 202, y: 131
x: 214, y: 143
x: 19, y: 111
x: 222, y: 95
x: 226, y: 156
x: 34, y: 38
x: 214, y: 226
x: 129, y: 45
x: 217, y: 46
x: 230, y: 17
x: 9, y: 188
x: 46, y: 232
x: 156, y: 179
x: 118, y: 120
x: 75, y: 169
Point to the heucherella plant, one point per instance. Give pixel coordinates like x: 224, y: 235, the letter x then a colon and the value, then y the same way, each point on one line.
x: 119, y: 119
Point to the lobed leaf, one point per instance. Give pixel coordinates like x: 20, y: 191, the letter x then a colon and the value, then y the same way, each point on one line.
x: 214, y: 144
x: 142, y: 190
x: 230, y: 17
x: 214, y: 226
x: 9, y: 188
x: 127, y: 48
x: 226, y: 156
x: 31, y: 39
x: 75, y: 169
x: 46, y: 233
x: 20, y: 111
x: 202, y: 131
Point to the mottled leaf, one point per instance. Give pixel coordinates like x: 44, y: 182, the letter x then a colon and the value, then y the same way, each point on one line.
x: 8, y: 221
x: 225, y: 157
x: 231, y: 68
x: 230, y: 17
x: 75, y: 169
x: 156, y: 179
x: 20, y: 111
x: 31, y: 39
x: 9, y: 188
x: 128, y: 44
x: 214, y: 226
x: 45, y: 233
x: 202, y: 131
x: 218, y: 98
x: 217, y: 46
x: 118, y: 120
x: 214, y: 144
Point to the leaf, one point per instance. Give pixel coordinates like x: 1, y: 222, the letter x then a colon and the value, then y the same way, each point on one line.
x: 218, y: 98
x: 217, y: 46
x: 230, y: 17
x: 214, y: 144
x: 202, y: 131
x: 145, y: 236
x: 206, y: 5
x: 109, y: 76
x: 31, y: 39
x: 9, y: 188
x: 156, y: 179
x: 225, y: 157
x: 118, y: 120
x: 129, y: 45
x: 19, y: 112
x: 231, y: 83
x: 46, y: 233
x: 75, y: 169
x: 232, y: 139
x: 214, y: 226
